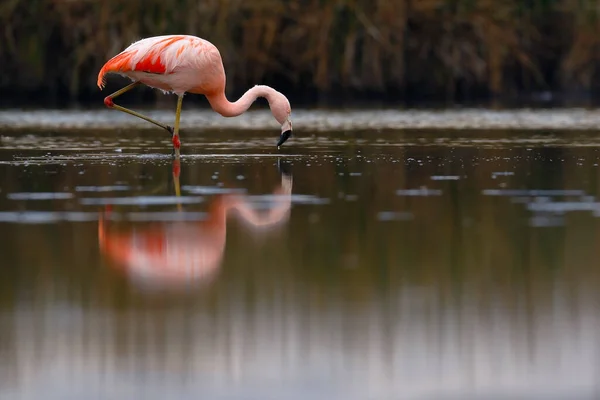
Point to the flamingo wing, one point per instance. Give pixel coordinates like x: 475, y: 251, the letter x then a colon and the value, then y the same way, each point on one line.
x: 155, y: 55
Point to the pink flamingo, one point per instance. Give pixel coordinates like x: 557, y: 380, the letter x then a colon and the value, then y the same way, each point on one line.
x: 177, y: 254
x: 182, y: 63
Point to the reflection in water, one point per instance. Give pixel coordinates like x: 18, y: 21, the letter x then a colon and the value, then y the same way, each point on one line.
x: 418, y: 271
x: 179, y: 253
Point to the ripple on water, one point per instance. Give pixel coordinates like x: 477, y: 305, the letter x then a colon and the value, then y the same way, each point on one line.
x: 40, y: 196
x: 50, y: 217
x: 546, y: 221
x: 294, y: 198
x: 394, y: 216
x: 186, y: 216
x: 110, y: 188
x: 562, y: 207
x: 419, y: 192
x: 45, y: 217
x: 502, y: 173
x: 142, y: 200
x: 535, y: 192
x: 208, y: 190
x: 103, y: 157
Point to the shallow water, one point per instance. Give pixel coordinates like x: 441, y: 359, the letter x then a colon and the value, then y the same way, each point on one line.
x: 431, y: 264
x: 311, y: 120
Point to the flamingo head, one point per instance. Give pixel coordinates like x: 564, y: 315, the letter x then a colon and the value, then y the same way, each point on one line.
x: 282, y: 112
x: 286, y: 131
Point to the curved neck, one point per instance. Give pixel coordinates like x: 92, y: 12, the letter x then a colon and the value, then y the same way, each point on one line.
x: 220, y: 104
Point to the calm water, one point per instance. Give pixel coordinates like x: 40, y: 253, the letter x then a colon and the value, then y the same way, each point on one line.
x: 374, y: 264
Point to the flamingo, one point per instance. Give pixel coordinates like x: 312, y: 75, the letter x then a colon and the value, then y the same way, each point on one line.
x: 187, y: 64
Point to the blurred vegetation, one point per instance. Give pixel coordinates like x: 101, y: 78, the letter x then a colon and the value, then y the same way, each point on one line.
x: 316, y: 49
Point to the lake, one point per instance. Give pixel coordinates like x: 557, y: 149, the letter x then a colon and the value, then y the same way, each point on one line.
x: 365, y: 259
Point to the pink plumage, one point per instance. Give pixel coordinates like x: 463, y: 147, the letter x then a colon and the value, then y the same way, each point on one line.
x: 174, y: 63
x: 187, y: 64
x: 187, y: 251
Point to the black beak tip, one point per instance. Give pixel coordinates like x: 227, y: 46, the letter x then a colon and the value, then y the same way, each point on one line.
x: 284, y: 136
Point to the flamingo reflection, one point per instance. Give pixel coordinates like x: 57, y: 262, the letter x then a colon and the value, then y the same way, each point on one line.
x: 179, y: 253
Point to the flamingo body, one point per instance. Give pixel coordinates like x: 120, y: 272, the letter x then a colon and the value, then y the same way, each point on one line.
x: 171, y: 63
x: 187, y: 64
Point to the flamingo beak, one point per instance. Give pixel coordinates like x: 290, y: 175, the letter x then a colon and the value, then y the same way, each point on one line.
x: 286, y: 132
x: 284, y: 136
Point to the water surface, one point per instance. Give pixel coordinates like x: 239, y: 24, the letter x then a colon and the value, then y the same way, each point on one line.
x: 427, y: 264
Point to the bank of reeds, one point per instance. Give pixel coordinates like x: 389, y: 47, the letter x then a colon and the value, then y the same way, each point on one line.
x: 398, y: 49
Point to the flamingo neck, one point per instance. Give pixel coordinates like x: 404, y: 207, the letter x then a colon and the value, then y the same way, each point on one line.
x: 220, y: 104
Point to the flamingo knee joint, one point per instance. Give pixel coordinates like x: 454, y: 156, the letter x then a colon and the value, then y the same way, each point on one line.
x: 108, y: 102
x: 176, y: 142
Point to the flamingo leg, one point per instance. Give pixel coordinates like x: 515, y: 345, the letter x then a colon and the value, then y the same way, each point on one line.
x: 176, y: 172
x: 108, y: 102
x: 176, y: 141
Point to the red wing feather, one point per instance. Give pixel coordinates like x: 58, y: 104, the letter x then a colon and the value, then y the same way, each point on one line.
x: 151, y: 62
